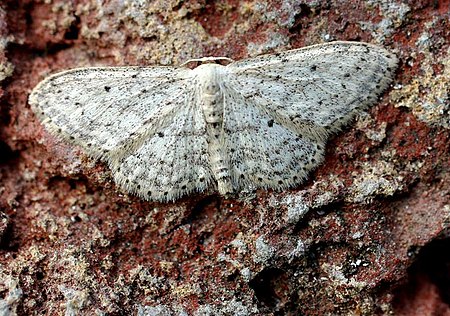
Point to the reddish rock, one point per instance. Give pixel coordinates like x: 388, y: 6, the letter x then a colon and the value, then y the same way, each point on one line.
x: 345, y: 242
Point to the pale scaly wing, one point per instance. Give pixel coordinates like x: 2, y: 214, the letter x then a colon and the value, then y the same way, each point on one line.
x: 316, y: 89
x: 263, y: 153
x: 174, y: 161
x: 106, y: 110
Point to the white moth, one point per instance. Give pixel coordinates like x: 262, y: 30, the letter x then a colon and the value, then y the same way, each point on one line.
x: 256, y: 123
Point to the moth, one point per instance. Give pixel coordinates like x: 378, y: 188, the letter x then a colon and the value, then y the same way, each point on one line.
x: 261, y: 122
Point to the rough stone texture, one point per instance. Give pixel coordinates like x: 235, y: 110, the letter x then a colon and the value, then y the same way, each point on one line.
x: 367, y: 234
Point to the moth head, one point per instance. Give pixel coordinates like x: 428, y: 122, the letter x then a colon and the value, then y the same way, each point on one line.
x: 207, y: 60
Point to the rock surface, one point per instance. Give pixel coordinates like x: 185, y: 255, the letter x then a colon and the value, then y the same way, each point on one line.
x: 367, y: 234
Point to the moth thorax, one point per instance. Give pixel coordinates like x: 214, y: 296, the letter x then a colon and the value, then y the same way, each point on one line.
x: 212, y: 98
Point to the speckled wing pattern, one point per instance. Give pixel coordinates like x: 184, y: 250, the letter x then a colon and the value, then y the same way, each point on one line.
x: 261, y: 122
x: 288, y: 103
